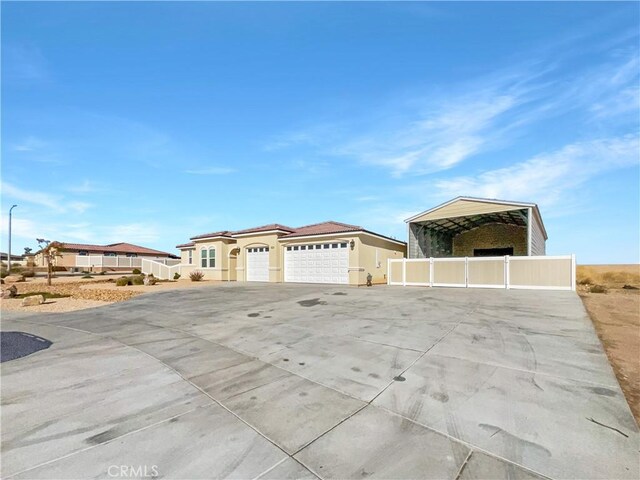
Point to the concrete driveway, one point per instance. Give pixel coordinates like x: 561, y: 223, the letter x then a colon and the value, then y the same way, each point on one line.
x: 298, y: 381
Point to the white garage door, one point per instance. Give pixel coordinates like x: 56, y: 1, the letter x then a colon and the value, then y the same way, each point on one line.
x: 317, y: 263
x: 258, y: 264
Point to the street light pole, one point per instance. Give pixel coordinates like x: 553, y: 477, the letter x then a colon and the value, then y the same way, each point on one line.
x: 9, y: 255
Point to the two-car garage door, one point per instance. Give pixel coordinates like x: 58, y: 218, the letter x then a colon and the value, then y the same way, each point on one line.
x: 317, y: 263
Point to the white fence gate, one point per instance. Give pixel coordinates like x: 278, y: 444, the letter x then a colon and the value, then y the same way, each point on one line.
x: 540, y: 272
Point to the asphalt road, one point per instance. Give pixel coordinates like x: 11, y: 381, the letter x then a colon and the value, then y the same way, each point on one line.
x: 20, y: 344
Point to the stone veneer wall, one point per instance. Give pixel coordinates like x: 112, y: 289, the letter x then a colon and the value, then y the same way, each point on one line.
x: 492, y: 235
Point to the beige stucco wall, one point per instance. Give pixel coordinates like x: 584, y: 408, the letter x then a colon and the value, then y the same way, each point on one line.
x: 493, y: 235
x: 373, y: 255
x: 260, y: 240
x: 222, y: 271
x: 184, y: 256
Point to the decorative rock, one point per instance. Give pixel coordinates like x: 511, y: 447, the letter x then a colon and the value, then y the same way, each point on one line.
x: 14, y: 278
x: 149, y: 280
x: 32, y: 300
x: 10, y: 292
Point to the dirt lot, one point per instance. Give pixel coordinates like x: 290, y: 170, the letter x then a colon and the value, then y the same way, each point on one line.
x: 616, y: 316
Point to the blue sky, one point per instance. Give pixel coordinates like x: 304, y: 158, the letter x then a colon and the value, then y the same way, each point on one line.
x: 153, y: 122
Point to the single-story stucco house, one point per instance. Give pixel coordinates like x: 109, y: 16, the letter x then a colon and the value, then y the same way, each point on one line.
x: 120, y: 256
x: 327, y: 252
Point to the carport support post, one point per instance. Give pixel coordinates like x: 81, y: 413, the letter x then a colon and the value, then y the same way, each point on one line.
x: 529, y: 217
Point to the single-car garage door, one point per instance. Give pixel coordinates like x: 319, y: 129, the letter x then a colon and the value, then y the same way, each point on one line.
x: 317, y: 263
x: 258, y: 264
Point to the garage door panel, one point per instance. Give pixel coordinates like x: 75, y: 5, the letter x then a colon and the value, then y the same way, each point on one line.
x: 317, y: 263
x: 258, y: 264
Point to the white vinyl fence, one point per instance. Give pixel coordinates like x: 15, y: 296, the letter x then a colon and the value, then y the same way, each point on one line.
x: 542, y: 272
x: 118, y: 261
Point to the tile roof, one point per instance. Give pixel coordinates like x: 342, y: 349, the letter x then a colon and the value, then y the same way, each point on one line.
x: 185, y: 245
x: 121, y: 247
x: 265, y: 228
x: 324, y: 228
x: 223, y: 233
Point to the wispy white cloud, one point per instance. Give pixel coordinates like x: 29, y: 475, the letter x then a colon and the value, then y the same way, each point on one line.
x: 28, y: 144
x: 550, y: 177
x: 211, y: 171
x: 134, y: 232
x: 79, y: 207
x: 52, y: 202
x: 438, y: 132
x: 86, y: 186
x: 42, y: 199
x: 26, y: 230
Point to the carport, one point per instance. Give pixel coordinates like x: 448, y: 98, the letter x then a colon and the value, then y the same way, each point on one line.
x: 477, y: 227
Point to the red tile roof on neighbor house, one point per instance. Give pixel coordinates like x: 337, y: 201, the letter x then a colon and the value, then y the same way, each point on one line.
x: 121, y: 247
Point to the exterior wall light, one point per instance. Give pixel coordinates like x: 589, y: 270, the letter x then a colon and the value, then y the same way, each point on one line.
x: 352, y: 244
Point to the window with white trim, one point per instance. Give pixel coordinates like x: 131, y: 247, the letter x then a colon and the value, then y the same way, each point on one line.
x: 190, y: 257
x: 203, y: 258
x: 212, y: 257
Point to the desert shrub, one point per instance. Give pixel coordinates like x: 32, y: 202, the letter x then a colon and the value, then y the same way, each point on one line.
x: 102, y: 273
x: 136, y: 280
x: 584, y: 281
x: 151, y: 280
x: 176, y: 276
x: 196, y: 276
x: 86, y: 275
x: 3, y: 273
x: 28, y: 273
x: 597, y: 289
x: 122, y: 282
x: 136, y: 271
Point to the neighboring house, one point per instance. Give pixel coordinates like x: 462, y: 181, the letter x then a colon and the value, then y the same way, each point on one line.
x: 327, y: 252
x: 114, y: 257
x: 477, y: 227
x: 14, y: 258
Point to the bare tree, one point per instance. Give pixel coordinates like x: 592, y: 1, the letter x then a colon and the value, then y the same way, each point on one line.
x: 49, y: 250
x: 27, y: 250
